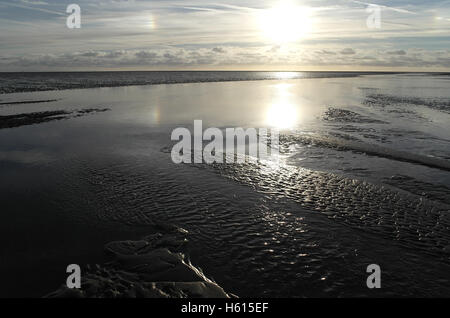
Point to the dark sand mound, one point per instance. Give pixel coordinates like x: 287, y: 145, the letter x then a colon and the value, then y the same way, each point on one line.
x: 17, y: 120
x: 356, y: 146
x: 29, y: 102
x: 343, y: 115
x: 154, y: 267
x: 385, y: 100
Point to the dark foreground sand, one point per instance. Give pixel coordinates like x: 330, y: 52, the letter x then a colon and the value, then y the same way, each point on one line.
x: 154, y: 267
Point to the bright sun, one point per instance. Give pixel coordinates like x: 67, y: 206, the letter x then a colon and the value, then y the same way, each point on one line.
x: 285, y: 23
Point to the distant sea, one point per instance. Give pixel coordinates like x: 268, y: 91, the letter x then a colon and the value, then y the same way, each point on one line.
x: 48, y: 81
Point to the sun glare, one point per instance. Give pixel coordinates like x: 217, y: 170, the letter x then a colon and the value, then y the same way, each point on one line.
x: 282, y: 113
x: 285, y: 23
x: 282, y: 116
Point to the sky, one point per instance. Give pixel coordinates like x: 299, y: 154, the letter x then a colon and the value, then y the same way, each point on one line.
x: 397, y: 35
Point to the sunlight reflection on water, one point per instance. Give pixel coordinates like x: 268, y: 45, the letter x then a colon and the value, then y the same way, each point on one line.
x: 282, y: 113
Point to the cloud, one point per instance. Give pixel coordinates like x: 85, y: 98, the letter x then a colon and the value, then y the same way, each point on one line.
x: 89, y: 54
x: 114, y: 54
x: 145, y: 55
x: 347, y: 51
x: 34, y: 2
x: 28, y: 5
x: 218, y: 50
x: 398, y: 52
x: 235, y: 56
x: 326, y: 52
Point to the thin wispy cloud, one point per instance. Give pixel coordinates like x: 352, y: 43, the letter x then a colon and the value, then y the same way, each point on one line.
x: 384, y: 7
x: 33, y: 8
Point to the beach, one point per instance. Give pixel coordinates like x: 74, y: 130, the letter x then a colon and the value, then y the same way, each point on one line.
x: 363, y: 177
